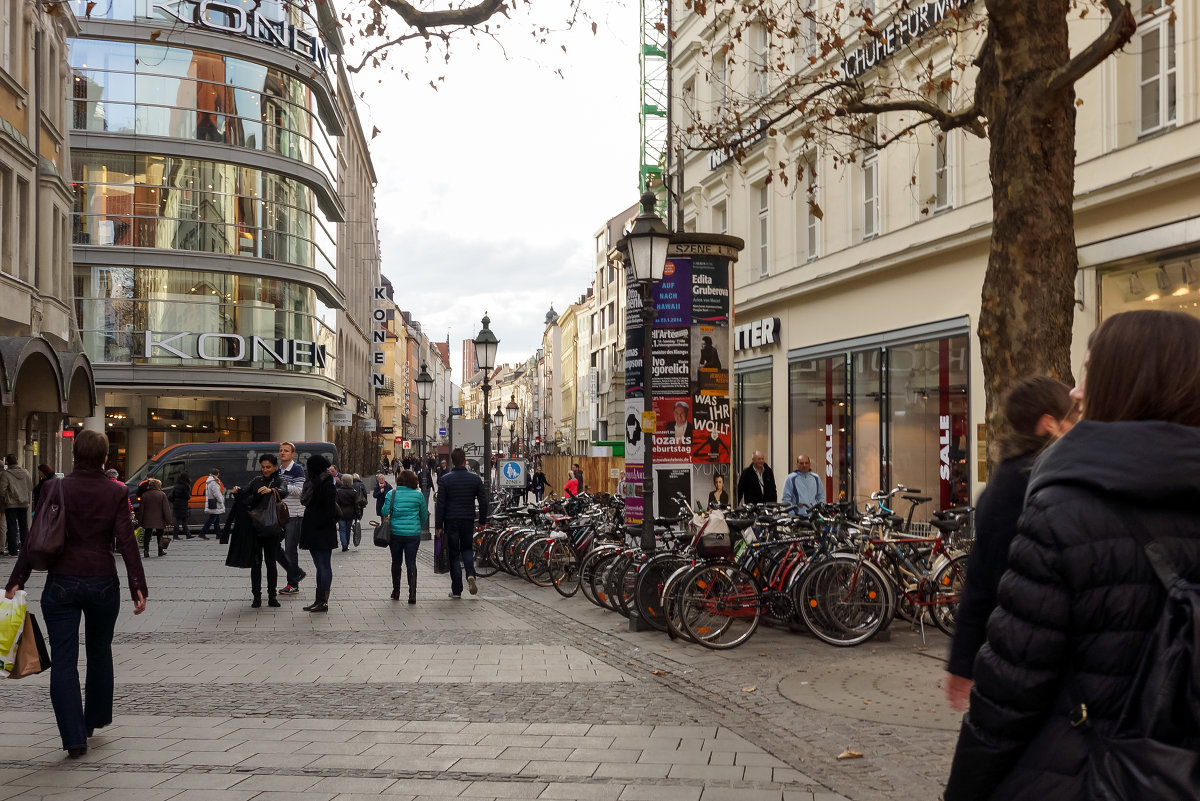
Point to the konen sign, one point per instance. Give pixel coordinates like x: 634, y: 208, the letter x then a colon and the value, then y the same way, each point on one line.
x: 234, y: 348
x: 251, y: 23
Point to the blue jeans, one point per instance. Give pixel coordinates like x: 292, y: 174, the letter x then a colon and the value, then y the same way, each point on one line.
x: 322, y: 561
x: 287, y: 555
x: 214, y: 521
x: 460, y: 539
x: 404, y: 552
x: 98, y: 600
x: 344, y: 532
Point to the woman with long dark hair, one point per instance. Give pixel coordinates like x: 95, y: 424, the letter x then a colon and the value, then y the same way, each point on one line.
x: 318, y: 527
x: 83, y: 582
x: 1080, y: 597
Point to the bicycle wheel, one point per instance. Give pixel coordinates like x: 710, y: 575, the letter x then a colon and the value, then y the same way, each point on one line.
x: 536, y: 562
x: 648, y: 589
x: 600, y: 589
x: 485, y: 565
x: 587, y: 571
x: 564, y: 567
x: 625, y: 583
x: 612, y: 582
x: 720, y: 606
x: 672, y: 592
x: 844, y: 600
x: 948, y: 583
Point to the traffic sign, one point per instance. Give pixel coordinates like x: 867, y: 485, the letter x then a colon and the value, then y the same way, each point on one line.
x: 456, y: 411
x: 441, y: 432
x: 512, y: 474
x: 407, y: 445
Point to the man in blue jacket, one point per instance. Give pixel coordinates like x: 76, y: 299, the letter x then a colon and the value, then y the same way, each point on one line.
x: 460, y: 493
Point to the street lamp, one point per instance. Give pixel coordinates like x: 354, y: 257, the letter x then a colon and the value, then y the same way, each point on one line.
x: 424, y: 393
x: 646, y: 246
x: 485, y: 359
x: 510, y: 412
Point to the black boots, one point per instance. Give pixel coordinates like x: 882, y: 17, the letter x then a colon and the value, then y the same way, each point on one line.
x: 257, y: 602
x: 321, y: 604
x: 395, y: 585
x: 412, y: 586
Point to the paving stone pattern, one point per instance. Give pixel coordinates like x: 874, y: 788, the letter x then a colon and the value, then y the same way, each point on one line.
x: 514, y: 693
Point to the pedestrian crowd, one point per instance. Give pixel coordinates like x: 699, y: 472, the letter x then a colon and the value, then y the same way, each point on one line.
x: 1074, y: 658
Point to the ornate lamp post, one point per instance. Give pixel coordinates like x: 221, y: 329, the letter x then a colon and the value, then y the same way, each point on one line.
x: 486, y: 344
x: 424, y: 393
x: 498, y: 422
x: 510, y: 411
x: 646, y: 246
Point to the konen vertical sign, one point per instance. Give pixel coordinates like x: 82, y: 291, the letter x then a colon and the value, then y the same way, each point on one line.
x: 250, y: 23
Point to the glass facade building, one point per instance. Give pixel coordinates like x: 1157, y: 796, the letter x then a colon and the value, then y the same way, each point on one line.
x: 206, y: 218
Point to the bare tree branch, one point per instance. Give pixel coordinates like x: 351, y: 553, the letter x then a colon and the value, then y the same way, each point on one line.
x: 1119, y: 31
x: 465, y: 16
x: 968, y: 118
x: 444, y: 36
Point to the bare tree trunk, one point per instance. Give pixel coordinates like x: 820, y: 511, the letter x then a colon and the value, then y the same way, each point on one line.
x: 1029, y: 288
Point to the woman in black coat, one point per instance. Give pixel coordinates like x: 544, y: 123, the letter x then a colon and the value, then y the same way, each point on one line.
x: 318, y: 527
x: 248, y: 545
x: 382, y: 488
x: 1080, y: 597
x: 1037, y: 409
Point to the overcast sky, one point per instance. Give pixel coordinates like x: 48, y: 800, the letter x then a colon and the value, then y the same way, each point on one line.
x: 491, y: 188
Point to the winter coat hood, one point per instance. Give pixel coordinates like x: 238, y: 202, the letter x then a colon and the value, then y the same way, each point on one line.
x: 1142, y: 462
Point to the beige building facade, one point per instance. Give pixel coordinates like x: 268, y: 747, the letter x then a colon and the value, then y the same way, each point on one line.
x: 856, y: 314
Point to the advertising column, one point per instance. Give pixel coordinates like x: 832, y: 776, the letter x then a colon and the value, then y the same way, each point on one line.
x: 692, y: 355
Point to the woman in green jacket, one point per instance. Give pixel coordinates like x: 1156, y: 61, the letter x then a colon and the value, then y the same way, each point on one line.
x: 410, y: 513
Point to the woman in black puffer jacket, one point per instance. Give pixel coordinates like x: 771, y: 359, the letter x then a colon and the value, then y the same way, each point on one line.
x: 1080, y: 597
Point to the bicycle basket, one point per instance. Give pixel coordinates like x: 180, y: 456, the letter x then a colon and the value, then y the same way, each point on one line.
x: 713, y: 539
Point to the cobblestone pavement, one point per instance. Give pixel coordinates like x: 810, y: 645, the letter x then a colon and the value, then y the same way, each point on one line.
x: 513, y: 693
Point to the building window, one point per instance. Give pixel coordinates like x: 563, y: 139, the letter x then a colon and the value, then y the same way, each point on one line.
x: 753, y: 418
x: 1156, y: 37
x: 812, y: 205
x: 761, y: 79
x: 810, y: 29
x: 720, y: 220
x: 943, y: 196
x: 764, y: 231
x: 870, y: 189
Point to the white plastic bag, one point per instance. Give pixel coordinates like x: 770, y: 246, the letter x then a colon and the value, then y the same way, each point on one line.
x: 12, y: 620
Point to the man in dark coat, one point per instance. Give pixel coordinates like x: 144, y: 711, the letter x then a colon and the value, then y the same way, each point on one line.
x: 757, y: 483
x: 460, y: 492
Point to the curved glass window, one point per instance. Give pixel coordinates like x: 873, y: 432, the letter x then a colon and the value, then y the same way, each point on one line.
x: 153, y: 201
x: 182, y: 93
x: 145, y: 315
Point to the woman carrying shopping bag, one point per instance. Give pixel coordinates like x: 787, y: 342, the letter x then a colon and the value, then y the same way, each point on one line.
x: 408, y: 512
x: 83, y: 582
x: 154, y: 514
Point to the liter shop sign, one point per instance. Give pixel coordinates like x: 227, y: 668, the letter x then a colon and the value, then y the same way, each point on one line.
x: 250, y: 23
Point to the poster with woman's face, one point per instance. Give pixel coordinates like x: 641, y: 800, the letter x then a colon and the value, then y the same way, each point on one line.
x: 635, y: 440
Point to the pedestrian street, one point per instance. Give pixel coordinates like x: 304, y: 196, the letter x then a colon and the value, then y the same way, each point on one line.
x: 512, y: 693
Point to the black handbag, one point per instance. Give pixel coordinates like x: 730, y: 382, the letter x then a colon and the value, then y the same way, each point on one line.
x: 1154, y: 750
x: 441, y: 554
x: 265, y: 518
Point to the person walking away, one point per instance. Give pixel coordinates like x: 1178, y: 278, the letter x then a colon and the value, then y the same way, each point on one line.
x: 347, y: 501
x: 1038, y: 409
x: 361, y: 489
x: 288, y: 554
x: 179, y: 496
x: 757, y: 482
x: 425, y: 485
x: 1080, y: 598
x: 16, y: 488
x: 318, y: 535
x: 382, y: 488
x: 409, y: 517
x: 803, y: 488
x: 539, y: 483
x: 45, y: 473
x: 154, y: 514
x: 83, y: 582
x: 263, y: 489
x: 214, y: 504
x: 460, y: 494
